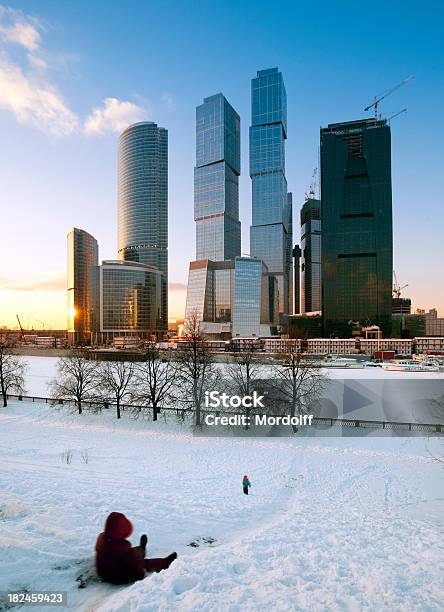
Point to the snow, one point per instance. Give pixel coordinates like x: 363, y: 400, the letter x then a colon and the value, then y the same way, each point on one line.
x: 337, y: 524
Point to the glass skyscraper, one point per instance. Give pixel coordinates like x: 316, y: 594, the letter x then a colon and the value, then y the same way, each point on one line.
x: 270, y: 233
x: 356, y: 216
x: 216, y: 180
x: 83, y: 253
x: 311, y: 255
x: 143, y: 201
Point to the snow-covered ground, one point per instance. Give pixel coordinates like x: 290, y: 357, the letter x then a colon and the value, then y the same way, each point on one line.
x: 333, y: 524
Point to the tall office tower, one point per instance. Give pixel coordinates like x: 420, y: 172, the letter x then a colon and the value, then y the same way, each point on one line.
x: 311, y: 255
x: 269, y: 233
x: 83, y: 254
x: 216, y: 180
x: 143, y: 201
x: 296, y: 279
x: 356, y: 217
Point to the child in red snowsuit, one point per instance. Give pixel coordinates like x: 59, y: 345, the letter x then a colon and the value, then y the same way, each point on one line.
x: 117, y: 561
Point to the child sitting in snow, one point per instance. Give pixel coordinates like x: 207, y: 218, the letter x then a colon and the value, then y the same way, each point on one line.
x: 117, y: 561
x: 245, y: 484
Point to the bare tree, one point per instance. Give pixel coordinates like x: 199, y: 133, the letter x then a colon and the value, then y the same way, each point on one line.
x: 155, y: 379
x: 76, y: 379
x: 244, y: 373
x: 198, y: 372
x: 299, y: 381
x: 12, y: 370
x: 115, y: 381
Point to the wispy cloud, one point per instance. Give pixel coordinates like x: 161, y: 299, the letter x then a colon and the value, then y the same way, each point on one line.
x: 27, y: 90
x: 114, y: 116
x: 15, y: 27
x: 34, y: 101
x: 51, y: 283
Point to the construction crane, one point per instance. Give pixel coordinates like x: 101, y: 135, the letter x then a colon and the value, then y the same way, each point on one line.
x: 397, y: 287
x: 22, y: 333
x: 312, y: 191
x: 404, y: 110
x: 377, y: 100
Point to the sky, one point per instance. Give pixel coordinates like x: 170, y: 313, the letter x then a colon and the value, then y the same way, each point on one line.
x: 74, y: 74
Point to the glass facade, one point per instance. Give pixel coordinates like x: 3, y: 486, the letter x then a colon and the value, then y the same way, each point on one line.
x: 210, y: 290
x: 216, y: 180
x: 83, y: 253
x: 250, y: 297
x: 126, y: 297
x: 311, y: 256
x: 356, y: 216
x: 270, y: 233
x: 143, y: 202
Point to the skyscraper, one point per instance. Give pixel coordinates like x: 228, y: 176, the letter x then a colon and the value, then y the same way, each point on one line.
x: 228, y: 293
x: 83, y: 254
x: 311, y: 255
x: 270, y: 233
x: 216, y: 180
x: 143, y: 201
x: 356, y: 217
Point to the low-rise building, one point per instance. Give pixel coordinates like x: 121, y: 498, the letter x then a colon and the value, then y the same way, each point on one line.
x: 429, y: 346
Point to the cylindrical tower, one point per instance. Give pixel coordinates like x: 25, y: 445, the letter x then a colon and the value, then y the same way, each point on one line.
x: 143, y: 201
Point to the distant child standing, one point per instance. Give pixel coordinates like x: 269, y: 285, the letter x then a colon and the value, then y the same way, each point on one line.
x: 245, y: 484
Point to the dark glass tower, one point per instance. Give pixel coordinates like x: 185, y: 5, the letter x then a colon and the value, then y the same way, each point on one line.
x: 356, y: 217
x: 311, y: 255
x: 270, y: 233
x: 216, y: 180
x: 143, y: 201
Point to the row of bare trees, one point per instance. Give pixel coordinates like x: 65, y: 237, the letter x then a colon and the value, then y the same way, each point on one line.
x: 149, y: 382
x: 181, y: 381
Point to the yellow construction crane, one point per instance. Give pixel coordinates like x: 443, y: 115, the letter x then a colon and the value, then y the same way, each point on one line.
x: 377, y: 100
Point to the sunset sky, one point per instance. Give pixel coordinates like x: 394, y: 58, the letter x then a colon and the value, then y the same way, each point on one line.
x: 74, y: 74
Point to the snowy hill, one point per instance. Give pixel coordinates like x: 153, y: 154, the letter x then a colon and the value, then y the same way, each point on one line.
x: 350, y: 524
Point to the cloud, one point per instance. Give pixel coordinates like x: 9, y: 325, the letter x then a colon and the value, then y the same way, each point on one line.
x: 27, y: 92
x: 34, y: 101
x: 15, y: 27
x: 168, y: 101
x: 55, y: 283
x: 177, y: 286
x: 114, y: 116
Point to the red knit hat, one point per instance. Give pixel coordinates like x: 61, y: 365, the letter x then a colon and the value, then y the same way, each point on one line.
x: 117, y: 526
